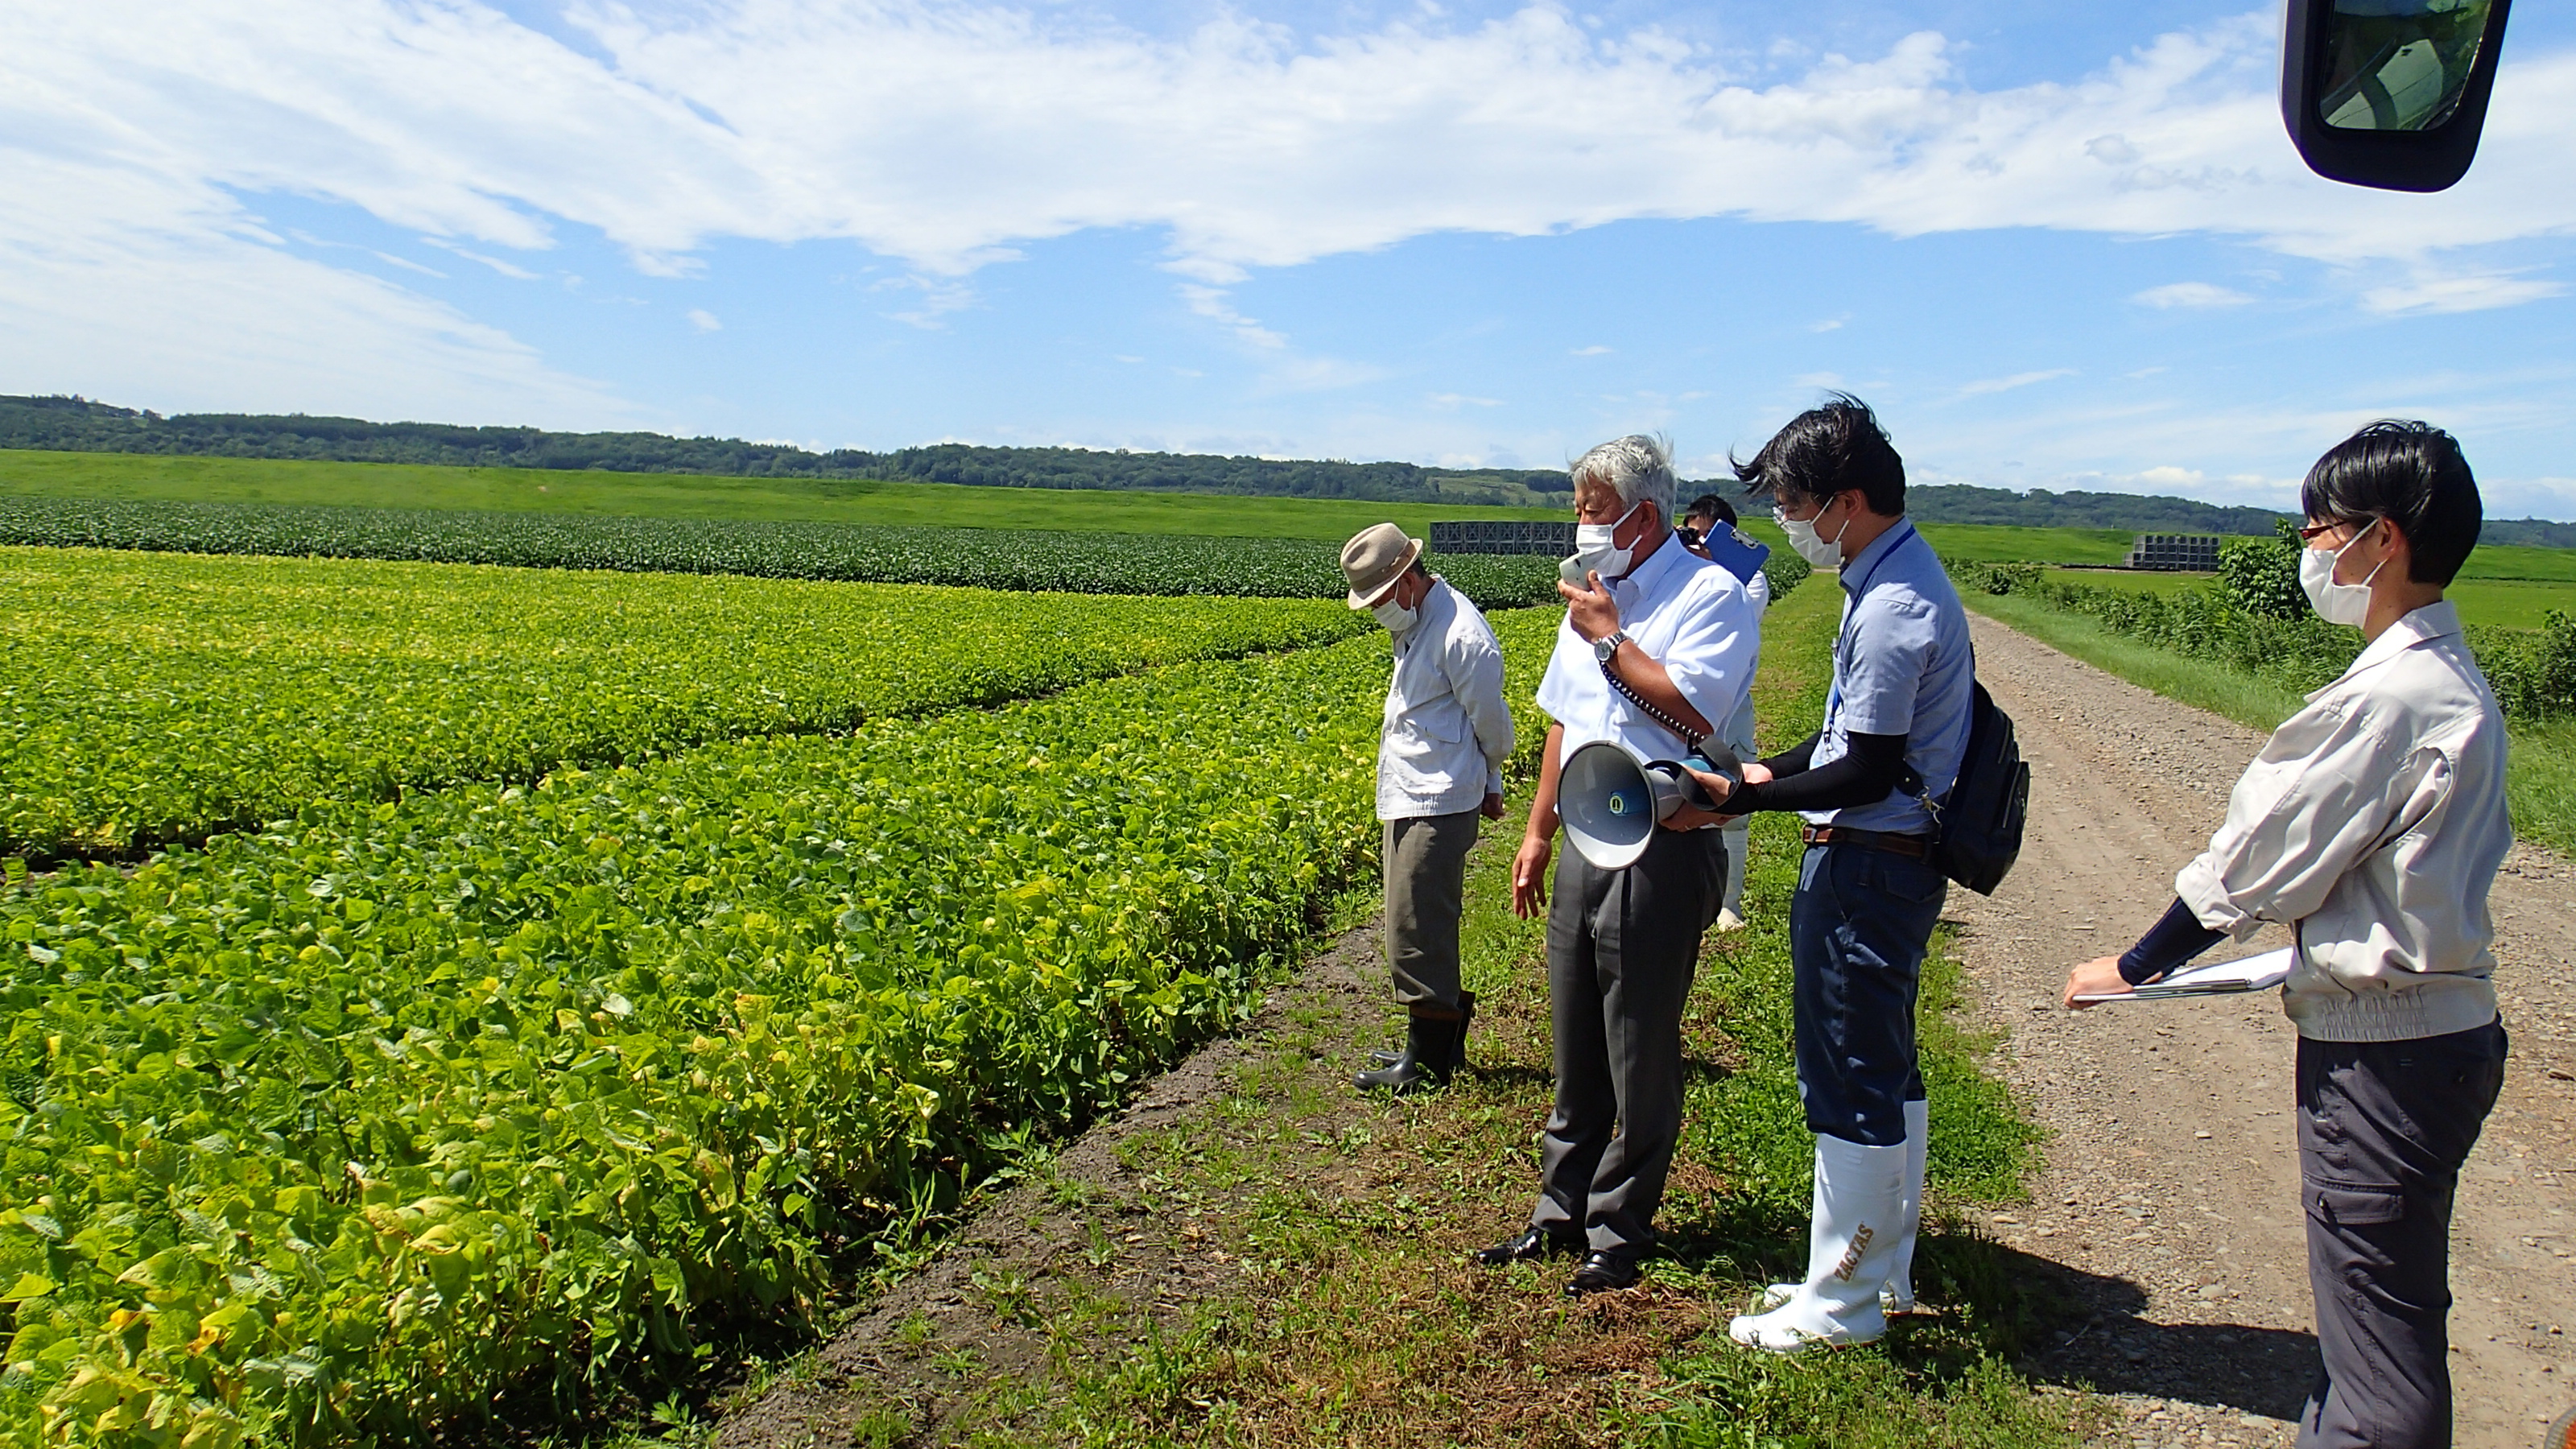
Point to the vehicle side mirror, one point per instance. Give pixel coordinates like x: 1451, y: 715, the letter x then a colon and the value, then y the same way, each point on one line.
x: 2390, y: 93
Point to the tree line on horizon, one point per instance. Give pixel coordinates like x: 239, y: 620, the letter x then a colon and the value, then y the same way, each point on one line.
x: 76, y: 424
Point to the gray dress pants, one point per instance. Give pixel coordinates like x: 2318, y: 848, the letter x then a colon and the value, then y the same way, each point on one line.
x: 1622, y: 946
x: 2383, y: 1129
x: 1424, y: 860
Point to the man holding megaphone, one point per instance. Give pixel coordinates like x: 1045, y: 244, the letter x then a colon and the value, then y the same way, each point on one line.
x: 1657, y: 643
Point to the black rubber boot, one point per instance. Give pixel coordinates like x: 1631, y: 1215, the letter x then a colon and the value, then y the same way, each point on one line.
x: 1430, y: 1045
x: 1457, y: 1057
x: 1458, y: 1042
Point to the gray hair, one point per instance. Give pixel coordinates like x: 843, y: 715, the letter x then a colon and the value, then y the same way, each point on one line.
x: 1638, y: 467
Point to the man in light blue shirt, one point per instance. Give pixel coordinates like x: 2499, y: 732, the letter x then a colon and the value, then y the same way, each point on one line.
x: 1894, y: 732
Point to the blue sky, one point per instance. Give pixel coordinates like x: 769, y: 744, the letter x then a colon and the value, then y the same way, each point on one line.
x: 2057, y: 246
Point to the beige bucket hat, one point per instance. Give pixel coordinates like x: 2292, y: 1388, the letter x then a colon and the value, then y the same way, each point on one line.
x: 1374, y: 559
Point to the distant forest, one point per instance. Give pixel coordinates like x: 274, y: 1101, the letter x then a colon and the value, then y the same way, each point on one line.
x: 72, y: 424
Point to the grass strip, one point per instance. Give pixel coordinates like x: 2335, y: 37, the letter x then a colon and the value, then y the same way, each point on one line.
x: 128, y: 477
x: 1345, y: 1220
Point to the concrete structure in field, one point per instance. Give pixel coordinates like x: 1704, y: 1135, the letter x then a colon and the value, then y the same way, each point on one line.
x: 2175, y: 552
x: 1553, y: 539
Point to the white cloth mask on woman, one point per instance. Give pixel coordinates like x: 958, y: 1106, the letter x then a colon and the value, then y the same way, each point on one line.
x: 1824, y: 553
x: 2336, y: 603
x: 1593, y: 551
x: 1394, y: 616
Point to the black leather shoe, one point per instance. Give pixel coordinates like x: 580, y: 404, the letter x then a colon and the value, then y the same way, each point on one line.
x: 1603, y: 1271
x: 1530, y: 1247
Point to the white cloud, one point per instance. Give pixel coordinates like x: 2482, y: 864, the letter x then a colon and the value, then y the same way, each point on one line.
x: 1595, y: 350
x: 738, y: 119
x: 2535, y: 498
x: 508, y: 269
x: 1452, y: 400
x: 704, y: 320
x: 128, y: 128
x: 1830, y: 324
x: 2190, y: 295
x: 1987, y: 386
x: 939, y: 296
x: 160, y: 290
x: 2466, y: 292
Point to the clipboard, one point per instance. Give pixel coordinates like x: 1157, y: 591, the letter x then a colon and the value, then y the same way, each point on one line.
x: 2220, y: 978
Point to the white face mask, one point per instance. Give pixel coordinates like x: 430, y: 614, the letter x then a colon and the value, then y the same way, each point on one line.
x: 1593, y: 551
x: 1394, y: 616
x: 1824, y: 553
x: 2336, y: 603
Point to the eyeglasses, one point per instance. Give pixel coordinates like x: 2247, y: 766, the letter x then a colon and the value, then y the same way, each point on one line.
x: 2309, y: 533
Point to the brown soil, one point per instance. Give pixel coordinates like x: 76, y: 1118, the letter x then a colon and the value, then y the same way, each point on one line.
x: 916, y: 1364
x: 2175, y: 1166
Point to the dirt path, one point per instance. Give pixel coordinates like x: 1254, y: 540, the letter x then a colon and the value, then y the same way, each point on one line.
x: 1099, y: 1253
x: 2172, y: 1190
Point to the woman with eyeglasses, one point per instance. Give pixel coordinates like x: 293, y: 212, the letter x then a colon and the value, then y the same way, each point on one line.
x: 2372, y: 823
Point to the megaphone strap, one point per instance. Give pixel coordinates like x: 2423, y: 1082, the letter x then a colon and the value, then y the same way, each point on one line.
x: 1647, y: 707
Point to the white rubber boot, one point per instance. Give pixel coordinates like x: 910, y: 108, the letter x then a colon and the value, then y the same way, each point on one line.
x: 1860, y: 1196
x: 1898, y: 1295
x: 1730, y: 912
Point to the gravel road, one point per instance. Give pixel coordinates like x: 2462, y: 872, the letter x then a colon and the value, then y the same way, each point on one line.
x: 2170, y: 1202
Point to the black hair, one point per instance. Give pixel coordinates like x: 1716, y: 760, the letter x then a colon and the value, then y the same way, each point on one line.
x: 1710, y: 505
x: 2411, y: 474
x: 1421, y: 565
x: 1826, y: 450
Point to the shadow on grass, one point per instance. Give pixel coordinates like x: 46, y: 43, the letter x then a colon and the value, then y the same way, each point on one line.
x: 1982, y: 1300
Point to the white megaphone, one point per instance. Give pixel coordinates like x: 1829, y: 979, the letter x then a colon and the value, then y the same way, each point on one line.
x: 1612, y: 802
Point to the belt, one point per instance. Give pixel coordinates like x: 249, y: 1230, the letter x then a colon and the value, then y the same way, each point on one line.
x: 1917, y: 846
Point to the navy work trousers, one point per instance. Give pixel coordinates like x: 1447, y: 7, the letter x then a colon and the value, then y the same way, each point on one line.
x: 2383, y: 1129
x: 1858, y: 928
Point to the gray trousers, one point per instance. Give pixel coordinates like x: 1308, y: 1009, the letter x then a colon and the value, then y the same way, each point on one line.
x: 1621, y: 949
x: 1425, y: 864
x: 2383, y: 1129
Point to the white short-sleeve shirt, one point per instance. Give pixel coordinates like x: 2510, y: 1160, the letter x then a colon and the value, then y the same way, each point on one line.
x: 1687, y: 614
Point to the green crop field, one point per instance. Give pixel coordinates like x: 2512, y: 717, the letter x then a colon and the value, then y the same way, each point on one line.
x: 1087, y: 563
x: 349, y: 1124
x: 112, y: 477
x: 151, y: 698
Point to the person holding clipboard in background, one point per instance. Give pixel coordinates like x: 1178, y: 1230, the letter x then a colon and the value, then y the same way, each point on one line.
x: 2372, y: 822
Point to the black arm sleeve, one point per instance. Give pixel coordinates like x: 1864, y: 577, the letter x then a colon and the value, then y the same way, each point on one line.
x: 1793, y: 761
x: 1865, y: 776
x: 2175, y: 938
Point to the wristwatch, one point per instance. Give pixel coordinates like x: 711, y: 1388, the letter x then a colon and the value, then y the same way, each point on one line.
x: 1606, y: 648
